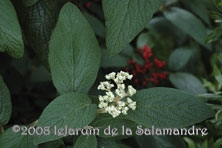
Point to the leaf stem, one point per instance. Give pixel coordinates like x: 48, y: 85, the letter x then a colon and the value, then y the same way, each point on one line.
x: 34, y: 123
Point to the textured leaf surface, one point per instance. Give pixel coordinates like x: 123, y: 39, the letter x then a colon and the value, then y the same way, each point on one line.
x: 106, y: 122
x: 187, y: 82
x: 72, y: 110
x: 160, y: 141
x: 52, y: 144
x: 38, y: 22
x: 74, y: 55
x: 10, y: 32
x: 11, y: 139
x: 5, y: 103
x: 188, y: 23
x: 125, y: 19
x: 86, y: 141
x: 167, y: 107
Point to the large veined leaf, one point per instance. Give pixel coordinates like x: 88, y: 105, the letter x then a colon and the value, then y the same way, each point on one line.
x: 188, y: 23
x: 5, y: 103
x: 167, y: 107
x: 69, y: 111
x: 187, y: 82
x: 86, y: 141
x: 38, y: 22
x: 12, y: 139
x: 74, y: 53
x: 125, y: 19
x: 115, y: 128
x: 10, y: 32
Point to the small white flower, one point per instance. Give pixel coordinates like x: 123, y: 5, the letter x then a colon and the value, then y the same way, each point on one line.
x: 121, y: 103
x: 132, y: 105
x: 101, y: 86
x: 110, y: 96
x: 129, y: 77
x: 101, y: 98
x: 129, y: 100
x: 124, y: 110
x: 111, y: 76
x: 103, y: 105
x: 131, y: 90
x: 121, y: 86
x: 111, y: 102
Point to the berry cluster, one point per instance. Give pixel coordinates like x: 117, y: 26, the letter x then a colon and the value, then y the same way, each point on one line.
x: 113, y: 102
x: 150, y: 72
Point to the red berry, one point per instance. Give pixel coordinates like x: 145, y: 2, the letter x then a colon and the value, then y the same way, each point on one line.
x: 136, y: 80
x: 144, y: 83
x: 158, y: 63
x: 126, y: 69
x: 88, y: 4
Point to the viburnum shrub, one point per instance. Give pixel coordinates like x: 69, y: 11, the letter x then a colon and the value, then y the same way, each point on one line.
x: 152, y: 71
x: 69, y: 74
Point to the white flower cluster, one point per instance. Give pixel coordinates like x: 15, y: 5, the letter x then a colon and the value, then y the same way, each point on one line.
x: 111, y: 102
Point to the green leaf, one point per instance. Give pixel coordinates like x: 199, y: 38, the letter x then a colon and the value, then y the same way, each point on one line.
x: 218, y: 75
x: 167, y: 107
x: 125, y: 19
x: 53, y: 144
x: 69, y: 111
x: 144, y: 39
x: 160, y: 141
x: 199, y: 8
x: 218, y: 115
x: 128, y: 50
x: 187, y: 82
x: 121, y: 128
x: 188, y: 23
x: 5, y: 103
x: 109, y: 143
x: 162, y: 26
x: 218, y: 143
x: 180, y: 57
x: 10, y: 32
x: 28, y: 3
x: 190, y: 142
x: 113, y: 61
x: 86, y: 141
x: 96, y: 24
x: 74, y: 53
x: 38, y: 22
x: 11, y: 139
